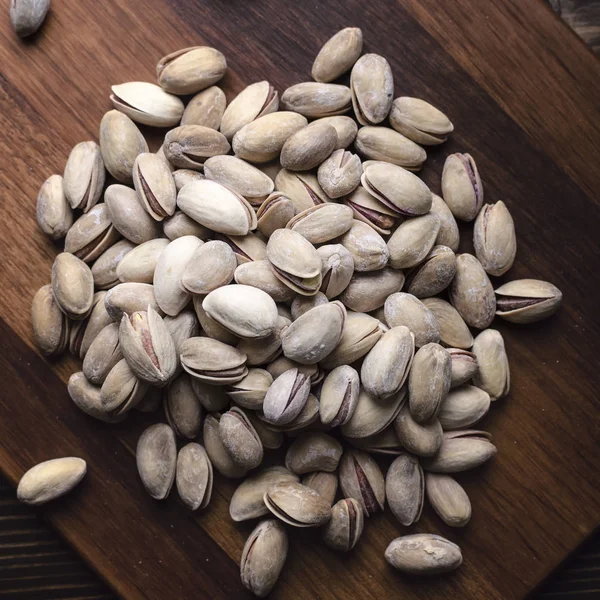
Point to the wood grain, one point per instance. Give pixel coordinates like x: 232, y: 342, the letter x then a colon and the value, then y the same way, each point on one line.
x: 528, y: 117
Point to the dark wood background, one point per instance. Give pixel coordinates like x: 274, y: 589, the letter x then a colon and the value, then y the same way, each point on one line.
x: 523, y: 94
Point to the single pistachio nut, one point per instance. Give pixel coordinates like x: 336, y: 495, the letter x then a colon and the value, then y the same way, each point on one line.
x: 368, y: 291
x: 206, y: 108
x: 209, y: 326
x: 339, y: 396
x: 138, y: 264
x: 453, y: 330
x: 260, y: 274
x: 182, y: 408
x: 154, y: 185
x: 50, y: 324
x: 156, y: 457
x: 182, y: 327
x: 460, y: 451
x: 404, y: 309
x: 72, y: 286
x: 128, y: 298
x: 240, y: 438
x: 464, y: 406
x: 314, y: 99
x: 302, y: 189
x: 286, y: 397
x: 84, y: 175
x: 87, y: 398
x: 422, y: 439
x: 527, y: 300
x: 362, y: 479
x: 461, y: 186
x: 250, y: 392
x: 385, y: 144
x: 420, y: 121
x: 274, y: 213
x: 372, y: 85
x: 306, y: 419
x: 103, y: 354
x: 27, y: 16
x: 297, y: 504
x: 493, y: 372
x: 463, y: 366
x: 337, y: 268
x: 345, y: 527
x: 434, y: 274
x: 313, y: 451
x: 494, y: 238
x: 324, y: 483
x: 423, y: 554
x: 449, y: 499
x: 338, y: 55
x: 405, y: 489
x: 448, y: 234
x: 212, y: 361
x: 340, y: 174
x: 83, y: 333
x: 182, y: 177
x: 104, y: 270
x: 194, y: 476
x: 54, y: 214
x: 188, y: 146
x: 345, y: 127
x: 412, y: 241
x: 371, y: 211
x: 180, y: 224
x: 367, y: 247
x: 219, y: 457
x: 211, y: 266
x: 308, y: 147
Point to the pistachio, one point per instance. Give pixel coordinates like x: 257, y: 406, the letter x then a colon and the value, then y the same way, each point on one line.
x: 371, y: 211
x: 87, y: 398
x: 212, y: 398
x: 121, y: 390
x: 460, y: 451
x: 305, y: 419
x: 260, y: 274
x: 206, y: 108
x: 286, y: 397
x: 345, y: 128
x: 448, y: 234
x: 372, y: 85
x: 461, y: 186
x: 82, y: 333
x: 422, y: 439
x: 404, y: 309
x: 182, y: 408
x: 188, y: 146
x: 493, y: 374
x: 50, y: 324
x: 104, y: 270
x: 337, y: 268
x: 361, y: 479
x: 449, y: 499
x: 103, y: 354
x: 368, y: 291
x: 463, y: 364
x: 345, y: 527
x: 412, y: 241
x: 367, y: 247
x: 240, y: 438
x: 463, y: 407
x: 72, y: 286
x: 302, y: 189
x: 420, y: 121
x: 210, y: 327
x: 219, y: 456
x: 270, y: 438
x: 84, y: 175
x: 313, y: 99
x: 180, y: 224
x: 274, y: 213
x: 434, y: 274
x: 324, y: 483
x: 313, y: 451
x: 246, y: 248
x: 194, y: 476
x: 260, y: 351
x: 494, y: 238
x: 385, y: 144
x: 527, y: 300
x: 405, y: 489
x: 338, y: 55
x: 423, y: 554
x: 308, y: 147
x: 182, y: 327
x: 280, y: 365
x: 251, y: 390
x: 129, y: 297
x: 212, y: 361
x: 297, y: 505
x: 453, y: 330
x: 27, y: 16
x: 340, y: 173
x: 182, y: 177
x: 339, y: 396
x: 156, y: 457
x: 154, y: 185
x: 54, y: 215
x: 139, y: 264
x: 211, y: 266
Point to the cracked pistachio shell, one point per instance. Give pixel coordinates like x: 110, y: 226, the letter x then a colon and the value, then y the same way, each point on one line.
x: 220, y: 458
x: 494, y: 238
x: 422, y: 439
x: 323, y: 222
x: 274, y: 213
x: 246, y: 248
x: 91, y: 234
x: 50, y: 479
x: 156, y: 457
x: 340, y: 174
x: 209, y: 326
x: 372, y: 85
x: 240, y: 176
x: 211, y: 266
x: 428, y: 382
x: 464, y: 366
x: 217, y: 207
x: 212, y: 361
x: 338, y: 55
x: 263, y: 557
x: 182, y: 408
x: 308, y: 147
x: 368, y: 291
x: 104, y: 270
x: 50, y: 324
x: 367, y: 247
x: 305, y: 419
x: 213, y: 398
x: 434, y: 274
x: 313, y: 99
x: 54, y: 215
x: 449, y: 499
x: 256, y: 100
x: 302, y: 304
x: 260, y: 274
x: 412, y: 241
x: 188, y: 146
x: 87, y: 397
x: 337, y: 268
x: 250, y: 392
x: 405, y: 489
x: 339, y: 396
x: 471, y: 292
x: 405, y: 309
x: 345, y: 128
x: 527, y: 300
x: 461, y: 186
x: 286, y: 397
x: 420, y: 121
x: 72, y: 286
x: 463, y: 407
x: 247, y: 500
x: 423, y: 554
x: 128, y: 216
x: 261, y: 351
x: 147, y: 103
x: 324, y: 483
x: 448, y: 235
x: 103, y: 354
x: 183, y: 176
x: 194, y: 476
x: 262, y: 139
x: 206, y: 108
x: 180, y: 224
x: 297, y: 504
x: 138, y: 264
x: 313, y: 451
x: 371, y: 211
x: 493, y: 374
x: 386, y: 366
x: 128, y: 298
x: 154, y: 185
x: 190, y: 70
x: 362, y: 479
x: 240, y: 438
x: 83, y: 179
x: 302, y: 189
x: 453, y: 330
x: 385, y: 144
x: 182, y: 327
x: 460, y: 451
x: 27, y: 16
x: 345, y: 527
x: 83, y: 333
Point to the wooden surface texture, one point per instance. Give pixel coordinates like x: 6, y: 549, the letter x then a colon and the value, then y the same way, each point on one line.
x: 527, y: 112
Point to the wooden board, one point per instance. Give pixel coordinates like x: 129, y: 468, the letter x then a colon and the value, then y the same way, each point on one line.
x: 528, y: 113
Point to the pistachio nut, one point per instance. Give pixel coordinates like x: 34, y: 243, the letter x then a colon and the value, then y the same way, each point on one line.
x: 297, y: 504
x: 251, y: 390
x: 453, y: 330
x: 302, y: 189
x: 281, y: 364
x: 337, y: 268
x: 449, y: 499
x: 463, y: 366
x: 461, y: 186
x: 274, y: 213
x: 434, y: 274
x: 313, y: 451
x: 50, y: 324
x: 404, y: 309
x: 463, y: 407
x: 260, y: 274
x: 240, y: 438
x: 324, y: 483
x: 212, y: 361
x: 270, y: 437
x: 219, y: 457
x: 493, y: 373
x: 262, y: 351
x: 188, y: 146
x: 306, y: 419
x: 420, y: 121
x: 422, y: 439
x: 339, y: 396
x: 308, y: 147
x: 385, y: 144
x: 156, y: 457
x: 54, y: 215
x: 104, y: 270
x: 527, y: 300
x: 147, y: 103
x: 338, y: 55
x: 340, y: 174
x: 129, y: 297
x: 182, y: 177
x: 460, y: 451
x: 405, y: 489
x: 87, y: 397
x: 368, y: 291
x: 345, y: 527
x: 180, y: 224
x: 182, y: 408
x: 448, y: 234
x: 209, y: 326
x: 362, y: 479
x: 371, y: 211
x: 423, y: 554
x: 214, y: 399
x: 50, y: 479
x: 82, y: 333
x: 494, y: 238
x: 72, y: 286
x: 345, y: 128
x: 246, y: 248
x: 103, y: 354
x: 27, y: 16
x: 194, y: 476
x: 412, y: 241
x: 372, y: 85
x: 138, y: 264
x: 286, y: 397
x: 211, y: 266
x: 84, y: 175
x: 314, y: 99
x: 206, y: 108
x: 367, y: 247
x: 154, y: 185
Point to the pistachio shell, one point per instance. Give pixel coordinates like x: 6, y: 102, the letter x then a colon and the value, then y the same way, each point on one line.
x: 129, y: 297
x: 104, y: 270
x: 345, y: 128
x: 297, y: 505
x: 453, y: 330
x: 383, y: 143
x: 368, y: 291
x: 338, y: 54
x: 405, y: 489
x: 412, y: 241
x: 240, y: 439
x: 156, y: 457
x: 302, y: 189
x: 121, y: 390
x: 372, y: 85
x: 260, y: 274
x: 313, y: 99
x: 324, y: 483
x: 154, y: 185
x: 84, y: 175
x: 493, y: 374
x: 50, y: 324
x: 50, y: 480
x: 448, y: 234
x: 367, y: 247
x: 54, y: 215
x: 274, y: 213
x: 188, y: 146
x: 286, y: 397
x: 463, y: 407
x: 422, y: 439
x: 88, y: 399
x: 340, y: 174
x: 527, y: 300
x: 72, y: 286
x: 337, y: 268
x: 461, y: 186
x: 405, y: 309
x: 206, y: 108
x: 194, y: 477
x: 250, y: 392
x: 219, y: 456
x: 339, y: 396
x: 313, y: 451
x: 449, y: 499
x: 420, y: 121
x: 180, y: 224
x: 213, y: 361
x: 182, y: 408
x: 362, y: 479
x: 308, y: 147
x: 423, y: 553
x: 211, y: 266
x: 494, y: 238
x: 103, y: 354
x: 138, y: 264
x: 434, y: 274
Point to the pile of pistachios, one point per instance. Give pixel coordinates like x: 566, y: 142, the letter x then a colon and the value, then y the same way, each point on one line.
x: 256, y: 297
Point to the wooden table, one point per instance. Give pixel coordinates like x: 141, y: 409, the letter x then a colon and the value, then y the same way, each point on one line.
x: 529, y: 116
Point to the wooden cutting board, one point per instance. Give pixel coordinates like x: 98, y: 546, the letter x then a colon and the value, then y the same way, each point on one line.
x: 523, y: 94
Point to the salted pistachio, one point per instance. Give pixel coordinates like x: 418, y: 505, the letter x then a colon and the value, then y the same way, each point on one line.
x: 27, y: 16
x: 423, y: 554
x: 367, y: 247
x: 460, y: 451
x: 463, y: 407
x: 214, y: 399
x: 182, y: 327
x: 263, y: 557
x: 461, y: 186
x: 493, y: 373
x: 147, y: 103
x: 182, y: 177
x: 262, y: 351
x: 314, y: 99
x: 372, y: 85
x: 91, y: 234
x: 84, y: 176
x: 211, y: 266
x: 128, y: 216
x: 371, y: 416
x: 399, y: 189
x: 359, y: 335
x: 404, y: 309
x: 494, y: 238
x: 194, y: 476
x: 154, y: 185
x: 448, y: 234
x: 156, y: 457
x: 420, y: 121
x: 182, y: 408
x: 368, y: 291
x: 527, y: 300
x: 324, y: 483
x: 422, y: 439
x: 212, y: 361
x: 83, y: 333
x: 251, y: 390
x: 385, y: 442
x: 405, y: 489
x: 338, y: 55
x: 286, y: 397
x: 345, y: 128
x: 209, y: 326
x: 313, y: 451
x: 50, y: 479
x: 103, y: 354
x: 428, y: 382
x: 206, y: 108
x: 72, y: 286
x: 302, y: 304
x: 180, y: 224
x: 219, y: 457
x: 449, y: 499
x: 371, y: 211
x: 240, y: 438
x: 139, y: 263
x: 463, y: 366
x: 87, y: 397
x: 50, y: 324
x: 340, y: 174
x: 262, y: 139
x: 188, y: 146
x: 297, y: 504
x: 54, y: 215
x: 453, y: 330
x: 260, y: 274
x: 104, y: 270
x: 274, y: 213
x: 255, y: 101
x: 306, y: 419
x: 412, y: 241
x: 385, y: 144
x: 308, y: 147
x: 246, y: 248
x: 362, y: 479
x: 339, y: 396
x: 434, y: 274
x: 190, y: 70
x: 302, y: 189
x: 129, y: 297
x: 247, y: 500
x: 346, y: 525
x: 337, y: 268
x: 240, y: 176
